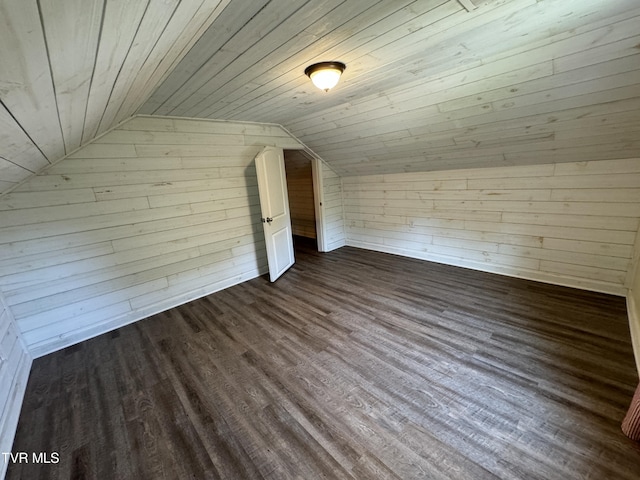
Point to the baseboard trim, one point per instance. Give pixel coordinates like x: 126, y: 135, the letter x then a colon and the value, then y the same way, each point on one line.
x: 525, y: 274
x: 335, y: 245
x: 65, y: 340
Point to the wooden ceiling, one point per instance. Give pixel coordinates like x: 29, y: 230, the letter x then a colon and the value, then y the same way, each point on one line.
x: 72, y: 69
x: 430, y: 84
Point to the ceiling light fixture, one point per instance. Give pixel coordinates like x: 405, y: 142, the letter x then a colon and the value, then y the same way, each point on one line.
x: 325, y: 75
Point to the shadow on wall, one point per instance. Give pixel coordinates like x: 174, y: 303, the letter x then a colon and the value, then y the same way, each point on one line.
x: 255, y: 213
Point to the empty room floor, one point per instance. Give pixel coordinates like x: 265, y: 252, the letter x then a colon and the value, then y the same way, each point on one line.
x: 354, y: 364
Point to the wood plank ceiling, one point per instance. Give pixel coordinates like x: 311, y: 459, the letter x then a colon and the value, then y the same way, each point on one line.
x: 430, y: 84
x: 72, y: 69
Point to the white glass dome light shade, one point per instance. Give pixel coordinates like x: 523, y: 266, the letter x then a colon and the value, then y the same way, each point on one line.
x: 325, y: 75
x: 325, y: 79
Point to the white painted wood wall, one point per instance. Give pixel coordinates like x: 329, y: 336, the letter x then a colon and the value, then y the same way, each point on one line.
x: 15, y: 364
x: 153, y: 214
x: 333, y: 213
x: 633, y: 302
x: 571, y: 224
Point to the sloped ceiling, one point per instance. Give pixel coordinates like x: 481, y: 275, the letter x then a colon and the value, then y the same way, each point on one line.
x: 430, y: 84
x: 71, y: 69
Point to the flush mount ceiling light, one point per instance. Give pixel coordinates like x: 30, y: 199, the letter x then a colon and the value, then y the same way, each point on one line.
x: 325, y: 75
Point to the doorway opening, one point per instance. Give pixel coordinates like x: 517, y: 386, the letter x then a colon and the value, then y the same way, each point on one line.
x: 302, y: 199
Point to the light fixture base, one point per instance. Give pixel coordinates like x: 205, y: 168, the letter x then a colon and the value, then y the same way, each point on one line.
x: 325, y: 75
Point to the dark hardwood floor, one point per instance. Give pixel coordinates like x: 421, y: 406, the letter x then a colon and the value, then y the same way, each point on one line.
x: 355, y: 364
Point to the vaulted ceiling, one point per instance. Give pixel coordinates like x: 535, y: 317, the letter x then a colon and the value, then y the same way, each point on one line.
x: 429, y: 84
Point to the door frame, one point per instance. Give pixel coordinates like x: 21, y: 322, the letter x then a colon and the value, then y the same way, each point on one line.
x: 318, y: 195
x: 318, y: 202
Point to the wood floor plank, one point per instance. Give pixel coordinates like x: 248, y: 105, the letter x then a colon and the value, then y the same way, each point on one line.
x: 353, y: 365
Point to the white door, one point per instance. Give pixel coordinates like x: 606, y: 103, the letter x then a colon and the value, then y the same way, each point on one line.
x: 274, y: 203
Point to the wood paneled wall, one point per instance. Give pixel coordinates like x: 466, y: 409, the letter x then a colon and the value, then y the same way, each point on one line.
x: 633, y: 302
x: 154, y: 213
x: 571, y: 224
x: 72, y: 69
x: 15, y: 364
x: 301, y: 199
x: 332, y: 205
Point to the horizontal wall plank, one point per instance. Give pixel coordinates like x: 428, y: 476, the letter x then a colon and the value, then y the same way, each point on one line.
x: 136, y: 137
x: 17, y: 264
x: 179, y: 292
x: 97, y: 150
x: 335, y: 236
x: 196, y: 151
x: 79, y: 225
x: 178, y: 234
x: 20, y: 200
x: 594, y: 248
x: 9, y: 218
x: 97, y: 316
x: 626, y: 165
x: 622, y: 195
x: 572, y: 224
x: 248, y: 189
x: 123, y: 252
x: 99, y: 165
x: 216, y: 127
x: 603, y: 261
x: 564, y: 208
x: 27, y: 301
x: 106, y: 303
x: 114, y: 320
x: 576, y: 233
x: 74, y: 236
x: 608, y: 181
x: 581, y: 221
